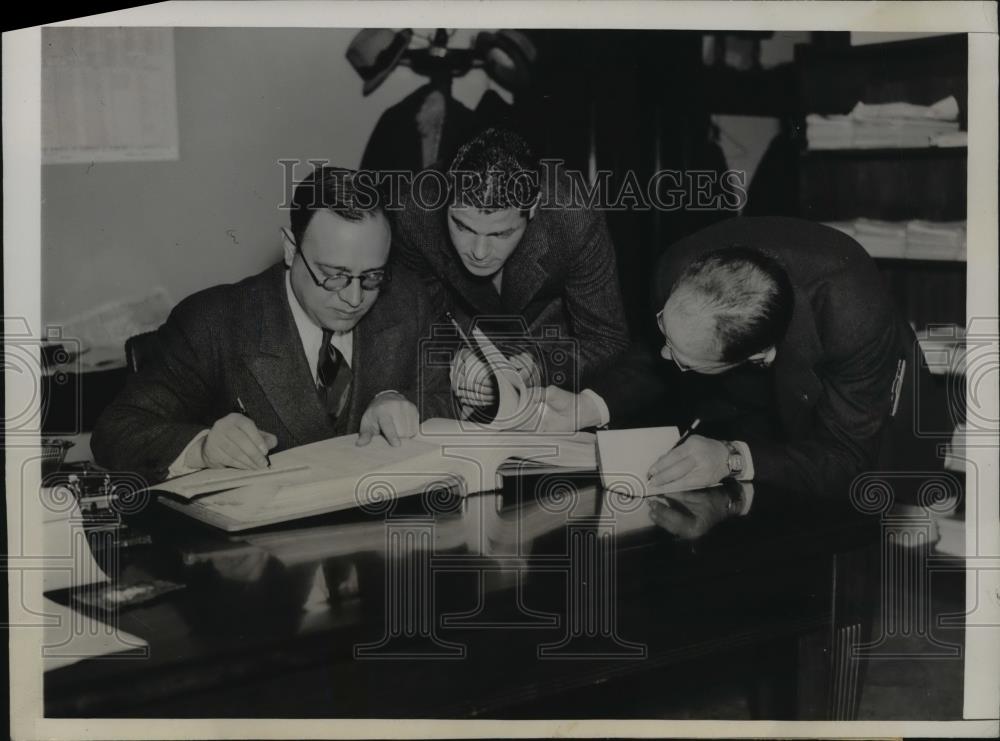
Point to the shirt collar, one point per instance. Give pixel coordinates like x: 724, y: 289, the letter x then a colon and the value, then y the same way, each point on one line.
x: 311, y: 334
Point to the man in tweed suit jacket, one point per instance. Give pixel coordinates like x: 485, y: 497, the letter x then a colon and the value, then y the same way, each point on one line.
x: 258, y: 344
x: 517, y: 265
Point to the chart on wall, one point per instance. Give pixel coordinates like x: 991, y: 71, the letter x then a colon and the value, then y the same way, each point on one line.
x: 108, y: 95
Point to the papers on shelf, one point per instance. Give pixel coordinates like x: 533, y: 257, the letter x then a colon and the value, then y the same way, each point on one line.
x: 916, y: 239
x: 932, y: 240
x: 943, y: 347
x: 886, y: 125
x: 945, y: 109
x: 955, y: 456
x: 951, y: 139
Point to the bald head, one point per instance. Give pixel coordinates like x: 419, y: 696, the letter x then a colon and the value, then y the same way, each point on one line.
x: 728, y: 305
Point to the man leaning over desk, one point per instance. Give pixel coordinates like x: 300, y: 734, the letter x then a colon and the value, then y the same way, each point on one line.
x: 321, y: 344
x: 781, y: 338
x: 512, y: 252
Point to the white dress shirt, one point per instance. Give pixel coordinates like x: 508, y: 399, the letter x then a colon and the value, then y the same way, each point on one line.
x: 312, y: 335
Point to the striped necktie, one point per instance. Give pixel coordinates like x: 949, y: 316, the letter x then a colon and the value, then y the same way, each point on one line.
x: 333, y: 377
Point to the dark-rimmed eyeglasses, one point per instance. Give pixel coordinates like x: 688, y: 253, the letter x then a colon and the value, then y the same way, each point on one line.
x: 371, y: 280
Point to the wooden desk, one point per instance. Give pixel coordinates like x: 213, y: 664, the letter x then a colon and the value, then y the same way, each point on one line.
x: 495, y: 607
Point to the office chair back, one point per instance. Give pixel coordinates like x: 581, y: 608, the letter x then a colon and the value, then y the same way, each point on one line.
x: 141, y: 349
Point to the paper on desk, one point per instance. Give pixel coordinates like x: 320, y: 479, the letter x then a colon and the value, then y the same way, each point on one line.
x: 70, y: 636
x: 625, y: 457
x: 68, y: 559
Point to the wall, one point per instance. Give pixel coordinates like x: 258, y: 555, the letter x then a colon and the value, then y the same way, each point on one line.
x: 246, y: 98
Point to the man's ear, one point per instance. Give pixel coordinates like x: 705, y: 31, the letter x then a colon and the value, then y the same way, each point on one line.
x: 287, y: 246
x: 764, y: 358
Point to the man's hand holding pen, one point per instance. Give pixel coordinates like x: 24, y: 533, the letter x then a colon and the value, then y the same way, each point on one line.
x: 233, y: 442
x: 692, y: 463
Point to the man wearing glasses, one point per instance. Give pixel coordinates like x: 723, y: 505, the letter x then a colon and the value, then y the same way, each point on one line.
x: 321, y: 344
x: 783, y: 342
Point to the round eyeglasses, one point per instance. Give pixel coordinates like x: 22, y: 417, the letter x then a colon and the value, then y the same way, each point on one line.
x: 370, y: 280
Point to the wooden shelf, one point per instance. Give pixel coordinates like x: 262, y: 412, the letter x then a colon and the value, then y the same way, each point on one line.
x: 905, y: 258
x: 891, y: 183
x: 884, y: 152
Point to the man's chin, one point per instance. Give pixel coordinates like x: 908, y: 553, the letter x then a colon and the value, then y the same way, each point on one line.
x: 480, y: 271
x: 339, y: 324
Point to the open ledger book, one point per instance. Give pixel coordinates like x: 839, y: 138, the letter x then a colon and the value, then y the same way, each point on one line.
x: 336, y: 474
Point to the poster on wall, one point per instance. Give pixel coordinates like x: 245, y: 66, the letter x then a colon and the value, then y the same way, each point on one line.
x: 110, y: 95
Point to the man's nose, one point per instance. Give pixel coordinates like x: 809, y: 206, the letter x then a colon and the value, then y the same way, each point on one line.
x: 480, y: 248
x: 353, y: 294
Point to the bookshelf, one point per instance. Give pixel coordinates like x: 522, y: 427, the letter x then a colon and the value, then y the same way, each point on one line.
x: 890, y: 184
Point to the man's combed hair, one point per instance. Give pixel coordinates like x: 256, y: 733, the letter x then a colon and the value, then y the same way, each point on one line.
x: 333, y: 189
x: 747, y: 293
x: 494, y: 171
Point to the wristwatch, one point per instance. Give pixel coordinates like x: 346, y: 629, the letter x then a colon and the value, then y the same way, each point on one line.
x: 735, y: 459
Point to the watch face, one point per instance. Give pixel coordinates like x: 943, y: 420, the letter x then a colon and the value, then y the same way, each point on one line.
x: 735, y: 463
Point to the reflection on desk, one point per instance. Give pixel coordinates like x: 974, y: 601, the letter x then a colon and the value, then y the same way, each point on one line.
x: 468, y: 607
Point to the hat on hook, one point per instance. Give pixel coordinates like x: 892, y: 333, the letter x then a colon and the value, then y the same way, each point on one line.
x: 508, y: 57
x: 375, y: 52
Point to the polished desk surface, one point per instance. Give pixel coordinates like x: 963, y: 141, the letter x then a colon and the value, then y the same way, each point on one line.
x: 451, y: 607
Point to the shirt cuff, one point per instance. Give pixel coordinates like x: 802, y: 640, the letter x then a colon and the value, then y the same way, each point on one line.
x: 179, y: 467
x: 603, y: 415
x: 747, y: 473
x: 746, y: 499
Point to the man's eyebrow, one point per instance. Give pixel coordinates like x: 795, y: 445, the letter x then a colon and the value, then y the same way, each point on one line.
x: 465, y: 226
x: 345, y: 269
x: 462, y: 224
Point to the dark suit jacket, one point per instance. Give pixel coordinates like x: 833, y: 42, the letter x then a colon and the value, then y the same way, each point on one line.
x: 561, y: 276
x: 828, y: 398
x: 240, y: 340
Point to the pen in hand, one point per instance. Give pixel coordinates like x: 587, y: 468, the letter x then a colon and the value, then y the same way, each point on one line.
x: 686, y: 435
x: 463, y: 335
x: 682, y: 438
x: 243, y: 410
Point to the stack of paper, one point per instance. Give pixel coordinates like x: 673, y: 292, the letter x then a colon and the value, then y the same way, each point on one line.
x: 943, y: 347
x: 951, y: 139
x: 935, y: 240
x: 955, y: 457
x: 885, y: 125
x: 915, y: 239
x: 881, y: 238
x: 829, y: 132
